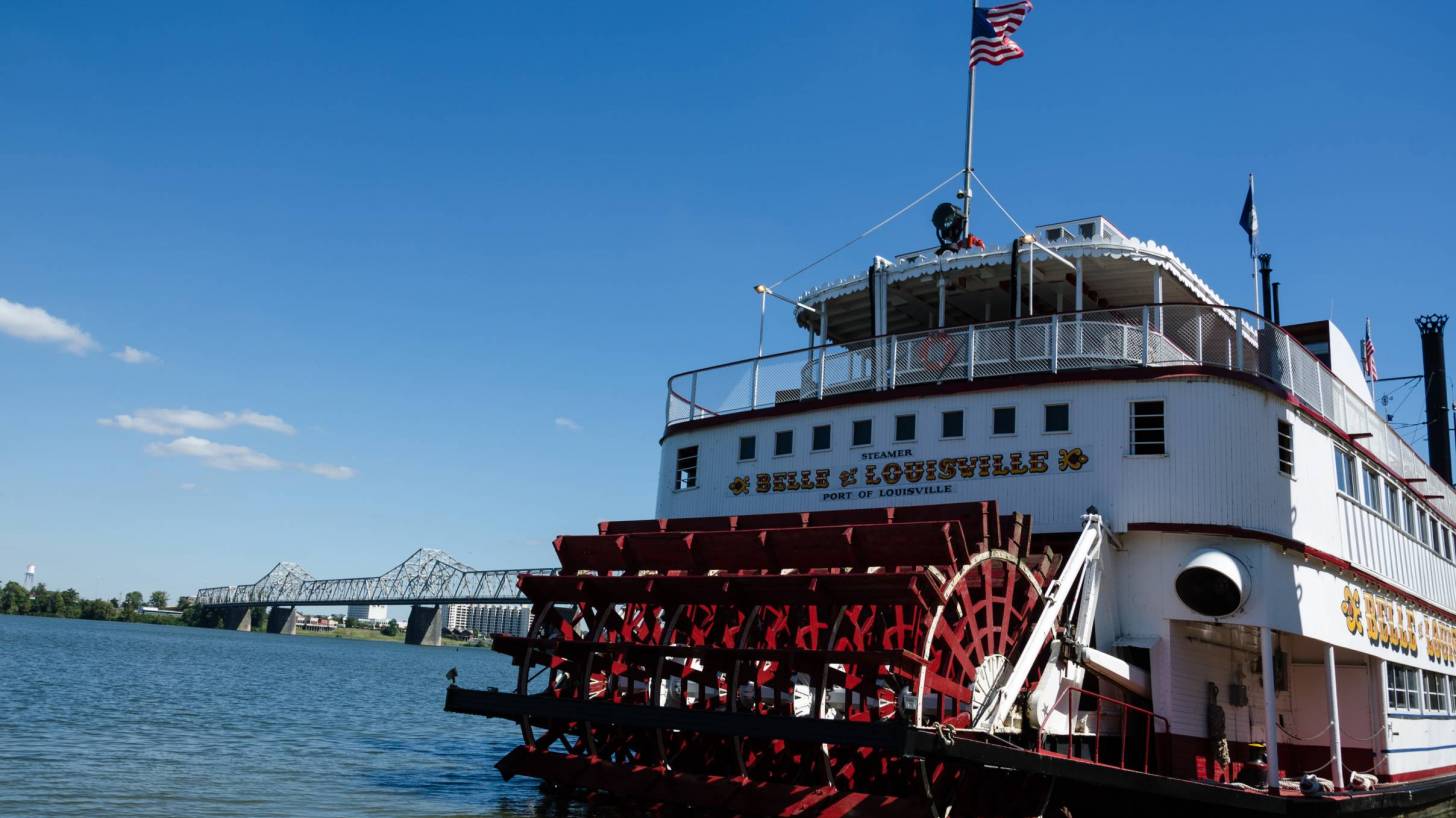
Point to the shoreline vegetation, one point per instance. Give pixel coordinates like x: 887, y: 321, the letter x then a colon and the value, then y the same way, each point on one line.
x: 15, y: 600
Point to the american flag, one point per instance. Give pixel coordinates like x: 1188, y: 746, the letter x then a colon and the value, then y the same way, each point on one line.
x: 991, y: 31
x: 1367, y: 354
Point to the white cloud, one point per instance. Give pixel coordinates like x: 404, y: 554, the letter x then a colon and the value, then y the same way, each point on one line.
x: 330, y: 471
x: 187, y: 486
x: 223, y: 456
x: 179, y: 421
x: 568, y: 424
x: 132, y: 355
x: 37, y: 325
x: 229, y: 457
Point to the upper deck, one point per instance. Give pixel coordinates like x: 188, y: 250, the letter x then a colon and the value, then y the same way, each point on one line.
x: 1084, y: 300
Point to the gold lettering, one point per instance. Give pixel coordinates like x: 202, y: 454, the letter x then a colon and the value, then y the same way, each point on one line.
x: 914, y: 470
x: 1017, y: 467
x: 985, y: 464
x: 761, y: 484
x: 780, y: 481
x: 870, y: 478
x: 1038, y: 462
x: 948, y: 466
x: 891, y: 473
x: 821, y: 478
x: 996, y: 467
x: 849, y: 477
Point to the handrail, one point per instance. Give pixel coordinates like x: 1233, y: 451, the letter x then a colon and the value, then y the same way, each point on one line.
x: 1149, y: 734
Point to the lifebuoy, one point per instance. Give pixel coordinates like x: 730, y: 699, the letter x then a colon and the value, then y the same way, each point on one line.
x: 936, y: 351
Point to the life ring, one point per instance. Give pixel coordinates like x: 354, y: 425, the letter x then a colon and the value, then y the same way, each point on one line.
x: 936, y: 351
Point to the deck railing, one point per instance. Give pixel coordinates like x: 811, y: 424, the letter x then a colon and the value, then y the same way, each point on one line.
x: 1113, y: 733
x: 1155, y: 335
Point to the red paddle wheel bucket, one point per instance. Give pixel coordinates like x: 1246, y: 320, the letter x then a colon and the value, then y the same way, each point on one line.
x: 768, y: 664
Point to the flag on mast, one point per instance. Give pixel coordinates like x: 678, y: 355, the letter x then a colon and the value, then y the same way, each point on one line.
x: 1249, y: 219
x: 991, y: 30
x: 1367, y: 354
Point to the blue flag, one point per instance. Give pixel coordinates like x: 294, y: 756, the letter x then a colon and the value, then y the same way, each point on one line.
x: 1249, y: 219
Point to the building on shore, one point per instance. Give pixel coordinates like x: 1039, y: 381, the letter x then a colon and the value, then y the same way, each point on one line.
x: 488, y: 619
x: 369, y: 613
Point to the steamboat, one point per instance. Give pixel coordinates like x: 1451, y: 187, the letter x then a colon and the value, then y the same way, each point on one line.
x: 1041, y: 528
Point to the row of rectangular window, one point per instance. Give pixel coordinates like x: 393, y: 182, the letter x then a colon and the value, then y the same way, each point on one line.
x: 1426, y: 691
x: 1056, y: 418
x: 1364, y: 484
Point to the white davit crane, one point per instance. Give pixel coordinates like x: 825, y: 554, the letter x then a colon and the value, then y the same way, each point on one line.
x: 1070, y: 656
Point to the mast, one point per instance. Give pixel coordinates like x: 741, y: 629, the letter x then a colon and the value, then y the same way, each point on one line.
x: 970, y: 123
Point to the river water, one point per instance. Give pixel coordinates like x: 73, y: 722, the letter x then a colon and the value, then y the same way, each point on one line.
x: 105, y: 718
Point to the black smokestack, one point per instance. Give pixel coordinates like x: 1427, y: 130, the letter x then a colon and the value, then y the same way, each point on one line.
x: 1264, y: 272
x: 1276, y: 305
x: 1433, y: 356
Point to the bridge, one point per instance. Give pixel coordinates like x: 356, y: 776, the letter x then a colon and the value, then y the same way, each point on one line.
x: 428, y: 579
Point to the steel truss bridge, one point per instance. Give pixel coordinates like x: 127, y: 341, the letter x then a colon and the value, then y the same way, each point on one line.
x: 428, y: 577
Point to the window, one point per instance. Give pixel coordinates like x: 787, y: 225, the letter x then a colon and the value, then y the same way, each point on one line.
x: 1003, y: 420
x: 1392, y: 503
x: 861, y: 433
x: 1286, y: 447
x: 1371, y: 488
x: 1403, y: 686
x: 1145, y: 435
x: 1344, y: 471
x: 1435, y: 691
x: 687, y: 468
x: 821, y: 438
x: 1446, y: 541
x: 1410, y: 516
x: 953, y: 423
x: 783, y: 442
x: 1058, y: 418
x: 748, y: 447
x: 1422, y: 533
x: 904, y: 428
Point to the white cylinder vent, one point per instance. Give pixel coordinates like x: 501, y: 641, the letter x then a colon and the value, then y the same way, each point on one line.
x: 1213, y: 583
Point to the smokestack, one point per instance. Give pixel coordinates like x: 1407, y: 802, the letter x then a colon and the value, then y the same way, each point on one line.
x: 1433, y: 357
x: 1276, y: 305
x: 1264, y: 272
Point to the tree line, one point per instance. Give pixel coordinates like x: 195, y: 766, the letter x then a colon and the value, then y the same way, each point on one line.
x: 68, y: 604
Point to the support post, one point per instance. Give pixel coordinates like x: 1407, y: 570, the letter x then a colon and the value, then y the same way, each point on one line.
x: 283, y: 620
x: 425, y: 624
x: 971, y: 353
x: 1271, y: 717
x: 1158, y: 297
x: 238, y: 619
x: 1052, y: 340
x: 1337, y: 767
x: 1147, y: 341
x: 693, y: 398
x: 824, y: 341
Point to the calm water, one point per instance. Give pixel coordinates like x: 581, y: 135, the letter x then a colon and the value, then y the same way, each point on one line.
x: 104, y: 718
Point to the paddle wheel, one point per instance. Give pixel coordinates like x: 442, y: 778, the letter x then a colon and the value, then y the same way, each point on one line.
x: 774, y: 664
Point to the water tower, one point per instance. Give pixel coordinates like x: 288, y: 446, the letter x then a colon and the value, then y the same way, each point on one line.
x: 30, y: 576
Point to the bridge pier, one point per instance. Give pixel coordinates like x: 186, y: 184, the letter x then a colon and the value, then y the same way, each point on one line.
x: 283, y: 620
x: 425, y: 624
x: 237, y: 619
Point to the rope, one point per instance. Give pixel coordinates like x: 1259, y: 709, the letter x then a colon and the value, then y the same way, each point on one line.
x: 1316, y: 770
x: 1370, y: 737
x: 997, y: 202
x: 946, y: 733
x: 897, y: 214
x: 1328, y: 725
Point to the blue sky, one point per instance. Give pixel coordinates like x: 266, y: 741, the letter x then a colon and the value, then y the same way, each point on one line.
x: 425, y: 268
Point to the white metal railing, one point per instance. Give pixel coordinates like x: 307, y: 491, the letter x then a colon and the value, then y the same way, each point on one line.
x: 1156, y: 335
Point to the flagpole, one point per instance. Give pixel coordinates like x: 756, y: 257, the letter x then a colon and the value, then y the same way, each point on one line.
x: 970, y: 124
x: 1254, y: 255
